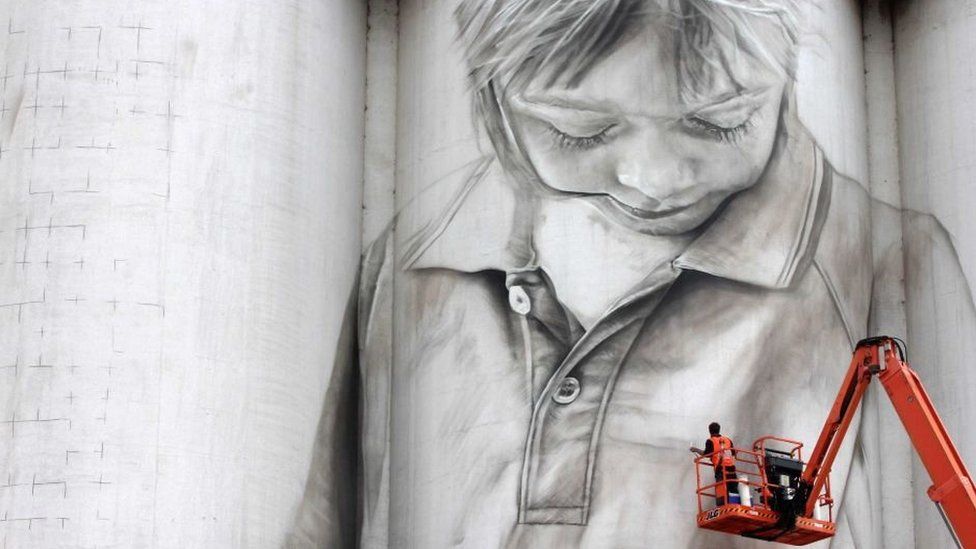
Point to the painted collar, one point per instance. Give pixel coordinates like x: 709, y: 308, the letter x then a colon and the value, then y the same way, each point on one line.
x: 764, y: 236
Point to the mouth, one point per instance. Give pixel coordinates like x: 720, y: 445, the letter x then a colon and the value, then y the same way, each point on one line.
x: 644, y: 214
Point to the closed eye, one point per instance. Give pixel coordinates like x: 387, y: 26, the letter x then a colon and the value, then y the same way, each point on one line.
x: 580, y: 142
x: 726, y: 134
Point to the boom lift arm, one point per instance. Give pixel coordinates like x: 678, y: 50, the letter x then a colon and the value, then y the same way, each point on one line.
x: 952, y: 490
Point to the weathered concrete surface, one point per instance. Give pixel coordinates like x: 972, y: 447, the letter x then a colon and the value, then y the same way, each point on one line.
x: 935, y: 75
x: 381, y: 100
x: 180, y: 187
x: 888, y: 305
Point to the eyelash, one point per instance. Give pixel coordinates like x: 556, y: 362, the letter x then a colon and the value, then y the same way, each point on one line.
x: 712, y: 130
x: 719, y: 133
x: 566, y: 141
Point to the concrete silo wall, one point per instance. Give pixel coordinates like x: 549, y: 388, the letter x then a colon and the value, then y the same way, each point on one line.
x: 936, y: 117
x: 180, y: 190
x: 475, y: 444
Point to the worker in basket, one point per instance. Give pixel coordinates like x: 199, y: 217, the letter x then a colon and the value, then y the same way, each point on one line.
x: 720, y: 448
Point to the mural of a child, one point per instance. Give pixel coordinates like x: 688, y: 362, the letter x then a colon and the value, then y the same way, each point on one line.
x: 653, y: 241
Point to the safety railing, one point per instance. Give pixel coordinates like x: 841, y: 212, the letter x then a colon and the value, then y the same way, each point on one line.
x: 748, y: 472
x: 794, y: 448
x: 749, y: 482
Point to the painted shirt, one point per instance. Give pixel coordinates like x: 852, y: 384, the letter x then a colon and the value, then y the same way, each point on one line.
x: 502, y: 423
x: 486, y: 416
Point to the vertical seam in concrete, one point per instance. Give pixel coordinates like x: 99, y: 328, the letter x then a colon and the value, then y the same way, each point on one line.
x: 380, y: 118
x: 379, y: 189
x: 365, y: 136
x: 884, y: 169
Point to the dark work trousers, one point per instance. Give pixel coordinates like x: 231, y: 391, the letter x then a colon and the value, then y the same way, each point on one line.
x: 722, y: 490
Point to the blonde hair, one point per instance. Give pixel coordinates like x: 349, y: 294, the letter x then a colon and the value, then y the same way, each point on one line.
x: 504, y: 38
x: 508, y: 42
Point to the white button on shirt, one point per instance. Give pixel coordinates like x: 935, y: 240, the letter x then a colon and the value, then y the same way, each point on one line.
x: 568, y: 390
x: 519, y: 300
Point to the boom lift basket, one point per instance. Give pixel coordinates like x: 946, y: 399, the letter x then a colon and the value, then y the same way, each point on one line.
x: 772, y: 510
x: 792, y: 495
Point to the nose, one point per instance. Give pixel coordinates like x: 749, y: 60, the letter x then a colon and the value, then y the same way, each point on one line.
x: 657, y: 170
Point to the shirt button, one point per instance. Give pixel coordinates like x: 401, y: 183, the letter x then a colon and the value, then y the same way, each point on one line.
x: 567, y: 392
x: 518, y: 300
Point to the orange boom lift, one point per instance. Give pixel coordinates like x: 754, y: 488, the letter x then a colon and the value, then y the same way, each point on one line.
x: 792, y: 502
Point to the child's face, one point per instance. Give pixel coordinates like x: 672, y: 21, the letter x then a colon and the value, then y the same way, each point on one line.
x: 649, y: 157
